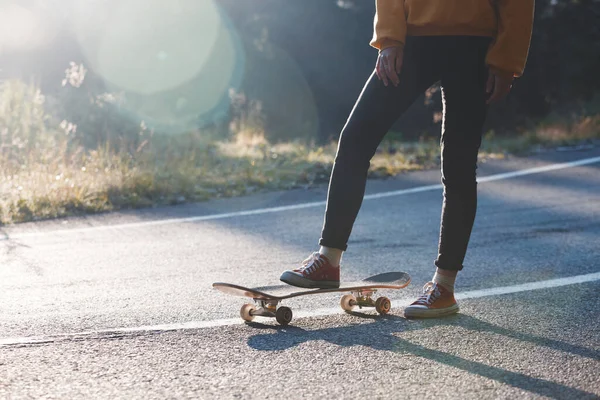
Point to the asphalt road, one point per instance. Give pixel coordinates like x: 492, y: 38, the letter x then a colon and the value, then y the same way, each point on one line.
x: 121, y: 306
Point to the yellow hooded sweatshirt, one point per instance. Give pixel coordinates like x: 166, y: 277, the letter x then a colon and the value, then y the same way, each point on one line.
x: 508, y: 21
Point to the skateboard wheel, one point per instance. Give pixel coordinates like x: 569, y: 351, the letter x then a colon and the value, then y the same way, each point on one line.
x: 383, y: 305
x: 283, y: 315
x: 348, y: 302
x: 246, y: 312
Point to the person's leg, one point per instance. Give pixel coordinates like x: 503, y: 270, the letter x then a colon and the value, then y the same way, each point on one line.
x: 464, y: 101
x: 376, y: 109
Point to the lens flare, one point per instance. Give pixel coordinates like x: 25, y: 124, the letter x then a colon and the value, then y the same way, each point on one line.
x: 20, y: 28
x: 275, y: 79
x: 175, y: 61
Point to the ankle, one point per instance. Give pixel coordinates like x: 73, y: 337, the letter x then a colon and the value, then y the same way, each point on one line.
x: 333, y: 255
x: 445, y: 278
x: 447, y: 272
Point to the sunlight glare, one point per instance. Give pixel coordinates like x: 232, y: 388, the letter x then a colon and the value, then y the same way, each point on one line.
x: 20, y: 28
x: 175, y: 61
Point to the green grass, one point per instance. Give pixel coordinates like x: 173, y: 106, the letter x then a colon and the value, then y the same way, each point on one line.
x: 45, y: 172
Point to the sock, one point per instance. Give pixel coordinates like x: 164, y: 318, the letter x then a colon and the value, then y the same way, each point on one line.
x: 333, y: 255
x: 446, y: 281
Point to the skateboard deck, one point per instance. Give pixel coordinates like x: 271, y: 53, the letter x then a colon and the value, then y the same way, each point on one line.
x: 359, y: 294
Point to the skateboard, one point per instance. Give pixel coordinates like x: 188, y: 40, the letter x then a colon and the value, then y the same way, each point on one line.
x: 360, y: 294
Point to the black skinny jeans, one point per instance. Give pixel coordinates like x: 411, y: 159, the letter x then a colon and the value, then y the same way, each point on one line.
x: 459, y: 63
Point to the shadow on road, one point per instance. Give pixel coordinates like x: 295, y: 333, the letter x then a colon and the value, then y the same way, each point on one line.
x: 379, y: 335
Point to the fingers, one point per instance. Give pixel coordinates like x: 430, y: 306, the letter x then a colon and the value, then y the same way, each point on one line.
x: 378, y: 68
x: 389, y: 65
x: 490, y: 83
x: 390, y: 69
x: 501, y: 88
x: 493, y: 98
x: 500, y: 91
x: 399, y: 58
x: 381, y: 70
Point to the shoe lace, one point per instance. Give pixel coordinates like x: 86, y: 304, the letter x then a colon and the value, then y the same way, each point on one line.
x: 431, y: 292
x: 312, y: 263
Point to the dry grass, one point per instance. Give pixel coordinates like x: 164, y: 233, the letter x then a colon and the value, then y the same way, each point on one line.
x: 45, y: 172
x: 565, y: 132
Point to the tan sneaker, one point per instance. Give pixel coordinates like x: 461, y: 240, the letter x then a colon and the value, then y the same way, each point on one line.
x: 435, y: 301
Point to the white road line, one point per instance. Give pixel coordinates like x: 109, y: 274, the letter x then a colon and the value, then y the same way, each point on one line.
x: 539, y: 170
x: 397, y: 303
x: 165, y: 221
x: 507, y: 175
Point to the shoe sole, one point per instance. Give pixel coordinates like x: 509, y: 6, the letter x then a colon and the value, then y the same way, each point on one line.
x: 300, y: 281
x: 430, y: 312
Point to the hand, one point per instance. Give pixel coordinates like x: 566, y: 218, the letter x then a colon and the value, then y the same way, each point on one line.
x: 389, y: 65
x: 498, y: 86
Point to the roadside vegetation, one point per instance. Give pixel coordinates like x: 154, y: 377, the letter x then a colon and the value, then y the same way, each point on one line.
x: 51, y: 167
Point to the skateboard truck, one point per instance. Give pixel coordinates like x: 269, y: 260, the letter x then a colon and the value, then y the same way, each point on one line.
x: 283, y: 315
x: 364, y: 298
x: 267, y: 308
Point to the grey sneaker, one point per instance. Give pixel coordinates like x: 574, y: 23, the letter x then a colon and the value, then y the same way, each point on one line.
x: 436, y: 301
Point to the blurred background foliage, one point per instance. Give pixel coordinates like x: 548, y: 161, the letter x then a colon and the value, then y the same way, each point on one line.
x: 106, y: 104
x: 292, y: 69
